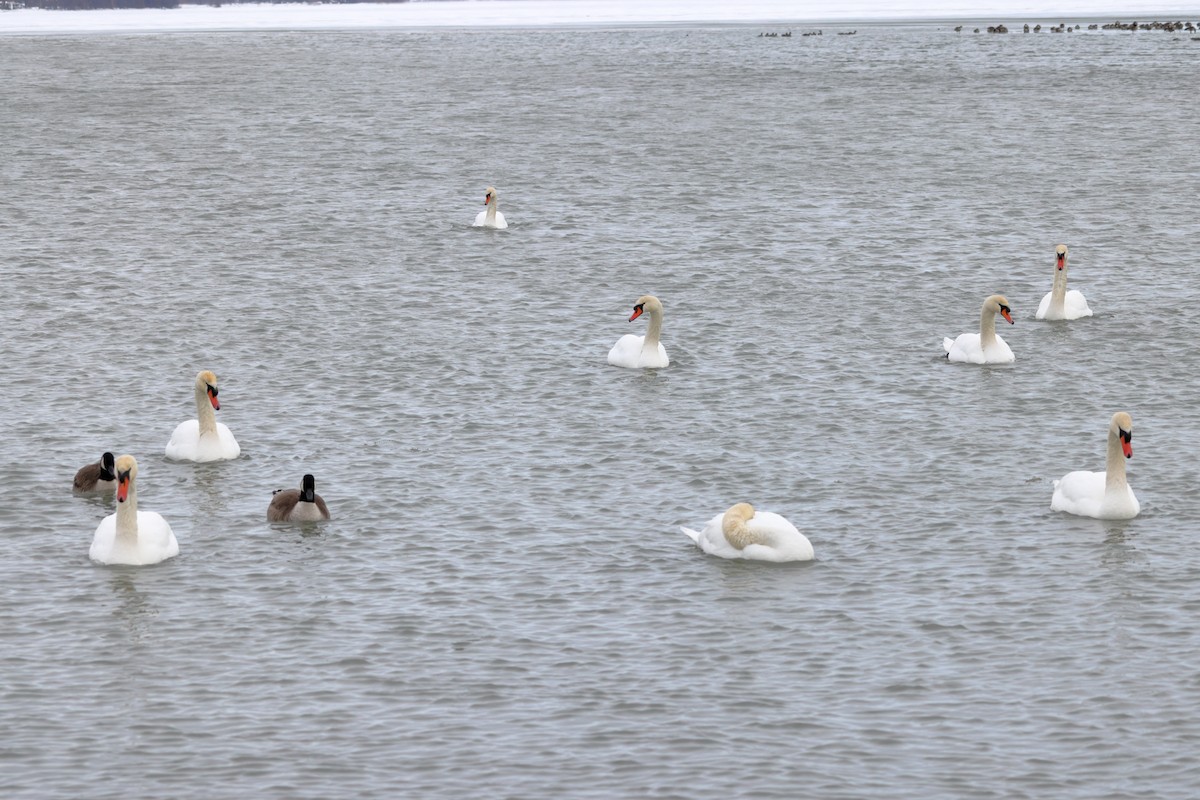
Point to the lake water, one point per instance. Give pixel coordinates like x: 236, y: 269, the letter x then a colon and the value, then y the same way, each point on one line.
x: 502, y: 605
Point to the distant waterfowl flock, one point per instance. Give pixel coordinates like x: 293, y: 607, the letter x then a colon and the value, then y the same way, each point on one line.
x: 134, y: 537
x: 1062, y: 27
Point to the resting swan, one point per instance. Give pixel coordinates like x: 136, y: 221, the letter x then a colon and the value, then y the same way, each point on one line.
x: 642, y: 351
x: 985, y: 347
x: 96, y: 477
x: 298, y: 505
x: 131, y: 536
x: 1103, y: 495
x: 203, y: 438
x: 742, y: 532
x: 1059, y: 303
x: 491, y: 217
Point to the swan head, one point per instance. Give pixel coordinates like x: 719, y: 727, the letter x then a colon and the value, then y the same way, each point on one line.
x: 734, y: 520
x: 107, y: 467
x: 308, y: 489
x: 998, y: 304
x: 1122, y: 427
x: 646, y: 303
x: 208, y: 381
x: 126, y: 468
x: 489, y: 196
x: 1060, y: 257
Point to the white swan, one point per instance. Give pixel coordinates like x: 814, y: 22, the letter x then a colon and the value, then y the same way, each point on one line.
x: 985, y: 347
x: 491, y: 217
x: 203, y: 438
x: 1103, y: 495
x: 642, y: 351
x: 742, y: 532
x: 1058, y: 302
x: 131, y: 536
x: 298, y: 505
x: 96, y: 478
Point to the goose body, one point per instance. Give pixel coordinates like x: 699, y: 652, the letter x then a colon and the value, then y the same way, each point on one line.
x: 490, y: 217
x: 985, y: 347
x: 131, y: 536
x: 742, y: 532
x: 636, y: 352
x: 203, y: 438
x: 1103, y: 495
x: 96, y: 478
x: 298, y: 505
x: 1059, y: 303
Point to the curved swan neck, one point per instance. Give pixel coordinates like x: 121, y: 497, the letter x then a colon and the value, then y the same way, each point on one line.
x: 1114, y: 468
x: 987, y: 327
x: 654, y: 331
x: 204, y: 410
x: 734, y: 527
x: 127, y: 515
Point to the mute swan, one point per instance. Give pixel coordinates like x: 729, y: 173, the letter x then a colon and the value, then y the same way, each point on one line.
x: 1103, y: 495
x: 985, y: 347
x: 298, y: 505
x: 1058, y: 302
x: 131, y: 536
x: 490, y: 218
x: 642, y: 351
x: 96, y: 477
x: 742, y: 532
x: 203, y: 438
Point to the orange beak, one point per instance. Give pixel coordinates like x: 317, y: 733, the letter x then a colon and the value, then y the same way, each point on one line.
x: 637, y: 312
x: 1007, y: 316
x: 212, y: 398
x: 1062, y: 260
x: 1127, y: 443
x: 122, y: 487
x: 487, y: 199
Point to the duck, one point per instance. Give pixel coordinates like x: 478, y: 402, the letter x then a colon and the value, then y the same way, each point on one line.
x: 1103, y: 495
x: 491, y: 216
x: 636, y: 352
x: 96, y: 478
x: 297, y: 505
x: 742, y: 532
x: 131, y: 536
x: 985, y: 347
x: 1058, y: 302
x: 203, y: 438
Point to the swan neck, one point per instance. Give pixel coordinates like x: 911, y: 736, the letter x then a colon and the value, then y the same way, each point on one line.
x: 204, y: 410
x: 654, y: 331
x: 1058, y: 293
x: 1114, y: 469
x: 987, y: 328
x: 127, y: 515
x: 491, y: 211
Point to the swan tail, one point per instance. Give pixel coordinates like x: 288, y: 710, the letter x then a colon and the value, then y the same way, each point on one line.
x: 691, y: 534
x: 947, y: 343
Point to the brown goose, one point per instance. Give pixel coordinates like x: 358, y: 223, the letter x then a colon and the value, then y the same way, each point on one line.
x: 98, y: 477
x: 297, y: 505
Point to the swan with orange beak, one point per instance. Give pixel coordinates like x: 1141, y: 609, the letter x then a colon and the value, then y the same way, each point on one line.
x: 203, y: 438
x: 131, y: 536
x: 985, y: 347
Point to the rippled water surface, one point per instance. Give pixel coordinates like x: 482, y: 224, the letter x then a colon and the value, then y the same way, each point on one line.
x: 503, y: 605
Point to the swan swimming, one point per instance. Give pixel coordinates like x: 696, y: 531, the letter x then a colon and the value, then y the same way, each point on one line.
x: 985, y: 347
x: 742, y: 532
x: 1058, y: 302
x: 636, y: 352
x: 1103, y: 495
x: 131, y: 536
x: 298, y: 505
x: 490, y: 217
x: 203, y: 438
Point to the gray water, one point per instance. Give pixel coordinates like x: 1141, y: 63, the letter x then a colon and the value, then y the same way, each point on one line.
x: 502, y: 605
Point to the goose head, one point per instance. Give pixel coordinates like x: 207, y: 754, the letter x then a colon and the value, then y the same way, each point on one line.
x: 1122, y: 426
x: 1060, y: 257
x: 489, y: 196
x: 106, y: 467
x: 308, y: 490
x: 126, y: 468
x: 646, y: 303
x: 207, y: 381
x: 998, y: 304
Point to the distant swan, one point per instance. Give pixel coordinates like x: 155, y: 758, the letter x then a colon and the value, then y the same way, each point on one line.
x: 491, y: 217
x: 131, y: 536
x: 1058, y: 302
x: 203, y: 438
x: 98, y: 477
x: 985, y: 347
x: 642, y: 351
x: 742, y: 532
x: 1103, y: 495
x: 298, y: 505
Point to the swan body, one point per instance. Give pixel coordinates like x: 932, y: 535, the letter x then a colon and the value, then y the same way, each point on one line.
x: 1058, y: 302
x: 203, y: 438
x: 130, y: 536
x: 298, y: 505
x: 96, y: 478
x: 491, y: 216
x: 985, y: 347
x: 742, y: 532
x: 1103, y: 495
x: 636, y: 352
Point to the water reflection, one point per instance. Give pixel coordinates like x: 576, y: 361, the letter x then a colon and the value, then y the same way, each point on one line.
x: 134, y: 607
